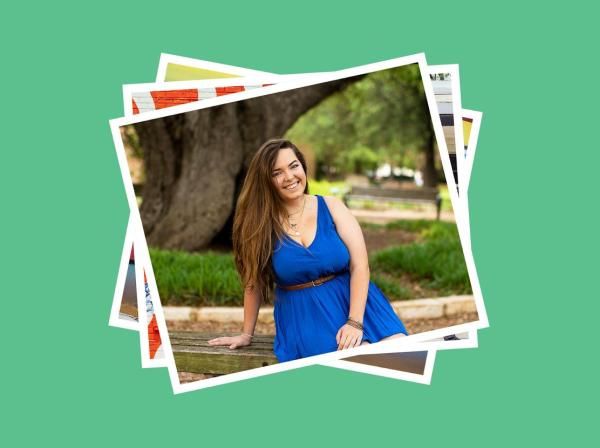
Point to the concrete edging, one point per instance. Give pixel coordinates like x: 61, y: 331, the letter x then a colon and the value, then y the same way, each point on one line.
x: 407, y: 310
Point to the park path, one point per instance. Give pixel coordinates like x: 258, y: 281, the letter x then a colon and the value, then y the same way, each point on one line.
x: 413, y: 326
x: 389, y: 215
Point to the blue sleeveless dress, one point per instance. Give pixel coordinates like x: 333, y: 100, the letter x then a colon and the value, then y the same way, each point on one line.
x: 307, y: 320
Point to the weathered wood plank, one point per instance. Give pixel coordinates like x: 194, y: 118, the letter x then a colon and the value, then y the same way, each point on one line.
x: 201, y: 339
x: 201, y: 343
x: 195, y: 335
x: 193, y: 353
x: 221, y: 363
x: 223, y: 350
x: 203, y: 346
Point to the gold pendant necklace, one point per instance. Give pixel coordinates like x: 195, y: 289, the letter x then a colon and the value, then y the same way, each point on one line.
x: 294, y: 229
x: 294, y: 226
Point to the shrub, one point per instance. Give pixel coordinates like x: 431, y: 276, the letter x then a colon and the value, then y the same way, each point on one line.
x: 196, y: 279
x: 391, y: 287
x: 437, y: 261
x: 327, y: 188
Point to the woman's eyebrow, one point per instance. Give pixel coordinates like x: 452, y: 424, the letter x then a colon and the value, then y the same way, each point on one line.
x: 289, y: 164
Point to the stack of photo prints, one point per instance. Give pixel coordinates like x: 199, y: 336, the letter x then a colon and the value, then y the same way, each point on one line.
x: 387, y: 148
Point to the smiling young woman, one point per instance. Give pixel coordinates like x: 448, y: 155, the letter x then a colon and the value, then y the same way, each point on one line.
x: 312, y: 250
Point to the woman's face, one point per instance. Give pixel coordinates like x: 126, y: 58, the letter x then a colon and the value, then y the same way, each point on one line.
x: 288, y: 175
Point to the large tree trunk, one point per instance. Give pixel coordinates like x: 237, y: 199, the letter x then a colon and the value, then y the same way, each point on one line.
x: 430, y: 174
x: 195, y: 162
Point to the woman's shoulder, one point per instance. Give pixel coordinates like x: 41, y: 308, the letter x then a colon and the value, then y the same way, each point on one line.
x: 333, y: 202
x: 337, y: 208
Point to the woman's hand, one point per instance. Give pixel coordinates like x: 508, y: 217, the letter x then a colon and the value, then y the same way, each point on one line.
x: 348, y: 337
x: 232, y: 341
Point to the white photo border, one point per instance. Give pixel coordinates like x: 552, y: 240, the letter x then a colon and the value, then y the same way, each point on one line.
x: 393, y: 345
x: 114, y: 320
x: 128, y: 91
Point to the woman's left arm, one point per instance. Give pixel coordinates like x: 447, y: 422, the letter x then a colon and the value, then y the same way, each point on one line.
x: 351, y: 234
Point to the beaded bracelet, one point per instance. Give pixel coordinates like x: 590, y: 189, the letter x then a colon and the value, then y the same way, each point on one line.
x: 246, y: 334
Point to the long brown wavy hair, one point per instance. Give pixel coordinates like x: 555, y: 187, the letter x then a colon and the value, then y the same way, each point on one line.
x: 257, y: 220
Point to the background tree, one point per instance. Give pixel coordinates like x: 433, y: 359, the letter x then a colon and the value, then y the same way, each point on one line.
x: 358, y: 159
x: 195, y: 162
x: 385, y: 112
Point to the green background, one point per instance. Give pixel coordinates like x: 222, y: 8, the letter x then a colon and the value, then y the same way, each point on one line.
x: 67, y: 376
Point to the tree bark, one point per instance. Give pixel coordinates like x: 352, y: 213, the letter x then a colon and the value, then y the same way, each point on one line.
x: 430, y: 174
x: 195, y: 162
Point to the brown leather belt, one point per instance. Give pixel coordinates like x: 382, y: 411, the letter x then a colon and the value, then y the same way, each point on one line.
x: 310, y: 284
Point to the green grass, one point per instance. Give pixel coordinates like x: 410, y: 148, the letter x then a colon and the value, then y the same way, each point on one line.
x: 196, y: 278
x: 392, y: 289
x: 436, y: 260
x: 434, y: 263
x: 418, y: 226
x: 326, y: 188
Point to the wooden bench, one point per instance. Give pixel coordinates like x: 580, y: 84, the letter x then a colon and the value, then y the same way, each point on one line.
x: 193, y: 354
x: 412, y: 195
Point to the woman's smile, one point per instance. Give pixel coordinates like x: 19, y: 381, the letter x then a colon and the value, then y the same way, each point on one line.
x: 292, y: 186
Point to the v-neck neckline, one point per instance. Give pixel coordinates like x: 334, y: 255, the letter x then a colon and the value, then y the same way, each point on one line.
x: 316, y: 229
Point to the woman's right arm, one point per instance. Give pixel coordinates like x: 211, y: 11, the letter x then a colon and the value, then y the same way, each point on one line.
x: 252, y: 302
